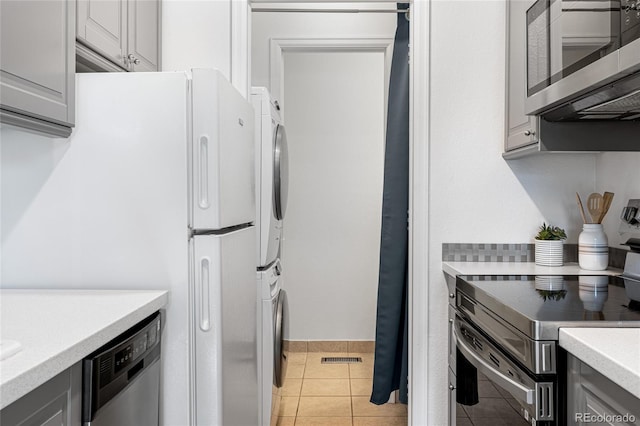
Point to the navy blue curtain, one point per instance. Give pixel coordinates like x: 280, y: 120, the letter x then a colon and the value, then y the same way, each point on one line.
x: 390, y: 366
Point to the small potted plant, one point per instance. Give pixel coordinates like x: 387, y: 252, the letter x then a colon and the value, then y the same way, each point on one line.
x: 549, y: 241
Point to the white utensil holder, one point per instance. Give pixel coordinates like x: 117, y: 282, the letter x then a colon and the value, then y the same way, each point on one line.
x: 593, y: 248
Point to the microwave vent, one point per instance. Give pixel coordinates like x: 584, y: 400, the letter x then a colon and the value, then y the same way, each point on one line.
x: 623, y: 105
x: 600, y: 117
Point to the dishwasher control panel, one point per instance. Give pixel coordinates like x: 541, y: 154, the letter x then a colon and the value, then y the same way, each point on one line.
x: 132, y: 352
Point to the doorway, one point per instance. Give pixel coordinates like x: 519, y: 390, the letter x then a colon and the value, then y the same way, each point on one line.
x: 418, y: 248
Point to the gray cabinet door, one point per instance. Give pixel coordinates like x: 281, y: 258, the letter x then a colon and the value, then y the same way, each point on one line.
x: 144, y: 35
x: 591, y: 395
x: 55, y: 403
x: 125, y: 33
x: 37, y: 74
x: 521, y: 129
x: 102, y: 25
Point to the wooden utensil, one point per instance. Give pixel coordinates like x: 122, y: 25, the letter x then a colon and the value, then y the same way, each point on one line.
x: 607, y: 200
x: 595, y: 205
x: 584, y: 219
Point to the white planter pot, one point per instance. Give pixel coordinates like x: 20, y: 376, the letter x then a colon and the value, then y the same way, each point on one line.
x: 549, y: 252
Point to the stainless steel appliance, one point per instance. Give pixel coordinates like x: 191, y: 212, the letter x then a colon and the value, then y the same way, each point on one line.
x: 503, y: 348
x: 121, y: 380
x: 583, y: 60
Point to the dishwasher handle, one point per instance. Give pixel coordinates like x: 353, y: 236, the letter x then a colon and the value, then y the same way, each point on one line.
x: 111, y: 369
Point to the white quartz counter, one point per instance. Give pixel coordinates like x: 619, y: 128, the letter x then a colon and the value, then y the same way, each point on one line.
x: 57, y: 328
x: 614, y: 352
x: 518, y: 268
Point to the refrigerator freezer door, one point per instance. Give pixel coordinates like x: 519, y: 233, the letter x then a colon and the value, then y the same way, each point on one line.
x: 224, y: 323
x: 222, y: 154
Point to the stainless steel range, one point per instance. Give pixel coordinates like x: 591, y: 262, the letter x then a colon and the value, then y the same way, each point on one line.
x: 504, y: 340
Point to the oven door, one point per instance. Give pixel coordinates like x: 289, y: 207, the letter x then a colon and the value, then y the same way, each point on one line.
x: 506, y: 393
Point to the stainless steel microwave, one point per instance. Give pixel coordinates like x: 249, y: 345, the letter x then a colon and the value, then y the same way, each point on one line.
x: 583, y: 60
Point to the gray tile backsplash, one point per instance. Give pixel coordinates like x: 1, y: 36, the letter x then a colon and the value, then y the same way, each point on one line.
x: 473, y: 252
x: 479, y: 252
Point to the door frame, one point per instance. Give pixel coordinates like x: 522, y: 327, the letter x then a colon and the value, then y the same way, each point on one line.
x: 279, y: 46
x: 420, y: 358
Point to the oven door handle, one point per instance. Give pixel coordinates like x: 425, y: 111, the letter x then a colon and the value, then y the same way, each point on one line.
x: 516, y: 389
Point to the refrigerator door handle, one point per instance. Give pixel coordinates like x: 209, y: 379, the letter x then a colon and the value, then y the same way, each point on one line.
x: 203, y: 170
x: 204, y: 294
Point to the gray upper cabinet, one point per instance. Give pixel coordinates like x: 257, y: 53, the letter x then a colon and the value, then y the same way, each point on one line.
x: 144, y: 35
x: 102, y: 26
x: 521, y: 129
x: 37, y: 72
x: 118, y: 35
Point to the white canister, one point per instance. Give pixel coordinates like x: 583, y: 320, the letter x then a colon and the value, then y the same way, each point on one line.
x: 593, y: 248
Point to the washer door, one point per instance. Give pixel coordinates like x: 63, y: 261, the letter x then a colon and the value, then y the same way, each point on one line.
x: 279, y: 356
x: 280, y: 172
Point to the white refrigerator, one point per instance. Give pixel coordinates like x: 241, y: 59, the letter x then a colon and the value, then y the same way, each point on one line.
x: 155, y: 190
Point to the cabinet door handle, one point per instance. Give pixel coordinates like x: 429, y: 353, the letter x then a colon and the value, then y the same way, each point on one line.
x: 133, y: 59
x: 529, y: 132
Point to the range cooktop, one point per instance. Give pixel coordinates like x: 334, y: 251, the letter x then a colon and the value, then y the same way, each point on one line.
x: 539, y: 305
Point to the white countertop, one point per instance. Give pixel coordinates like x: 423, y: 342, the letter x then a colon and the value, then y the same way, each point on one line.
x: 614, y: 352
x: 57, y: 328
x: 518, y: 268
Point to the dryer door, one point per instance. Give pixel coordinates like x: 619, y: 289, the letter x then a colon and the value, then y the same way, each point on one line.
x: 280, y: 357
x: 280, y: 172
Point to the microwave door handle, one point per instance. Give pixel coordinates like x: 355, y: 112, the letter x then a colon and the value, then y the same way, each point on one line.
x: 516, y: 389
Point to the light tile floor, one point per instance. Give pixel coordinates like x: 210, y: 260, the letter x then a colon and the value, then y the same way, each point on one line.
x: 316, y: 394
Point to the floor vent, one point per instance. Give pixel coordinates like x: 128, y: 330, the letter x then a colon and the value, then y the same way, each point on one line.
x: 341, y: 360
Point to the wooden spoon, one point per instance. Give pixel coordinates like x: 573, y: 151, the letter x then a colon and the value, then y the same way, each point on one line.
x: 595, y: 205
x: 607, y: 200
x: 584, y: 219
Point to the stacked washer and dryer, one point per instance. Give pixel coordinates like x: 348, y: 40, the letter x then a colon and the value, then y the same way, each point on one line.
x: 271, y: 203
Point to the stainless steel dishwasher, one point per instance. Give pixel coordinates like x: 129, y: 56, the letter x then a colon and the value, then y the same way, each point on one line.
x: 121, y: 380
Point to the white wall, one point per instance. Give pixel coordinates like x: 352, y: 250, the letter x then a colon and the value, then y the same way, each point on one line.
x: 335, y: 127
x: 207, y: 34
x: 475, y: 195
x: 26, y: 162
x: 618, y: 173
x: 196, y: 34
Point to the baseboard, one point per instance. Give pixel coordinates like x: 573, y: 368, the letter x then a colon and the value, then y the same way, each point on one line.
x: 345, y: 346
